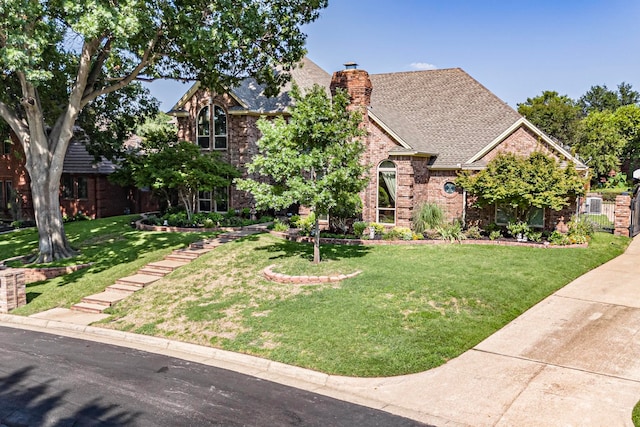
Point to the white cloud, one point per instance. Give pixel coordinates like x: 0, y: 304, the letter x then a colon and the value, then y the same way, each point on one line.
x: 423, y: 66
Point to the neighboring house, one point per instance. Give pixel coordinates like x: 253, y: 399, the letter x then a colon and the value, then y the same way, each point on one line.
x: 84, y: 186
x: 423, y: 128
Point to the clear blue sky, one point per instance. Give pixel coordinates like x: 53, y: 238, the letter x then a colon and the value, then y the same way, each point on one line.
x: 516, y: 48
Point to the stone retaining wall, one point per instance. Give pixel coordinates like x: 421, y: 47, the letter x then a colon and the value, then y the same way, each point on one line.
x: 37, y: 274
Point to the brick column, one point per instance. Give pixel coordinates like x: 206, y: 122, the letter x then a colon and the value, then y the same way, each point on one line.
x: 12, y: 289
x: 622, y: 219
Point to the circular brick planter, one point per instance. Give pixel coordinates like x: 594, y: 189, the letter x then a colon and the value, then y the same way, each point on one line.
x: 304, y: 280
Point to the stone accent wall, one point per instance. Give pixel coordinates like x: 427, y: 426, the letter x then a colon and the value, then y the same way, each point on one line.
x: 12, y: 290
x: 622, y: 215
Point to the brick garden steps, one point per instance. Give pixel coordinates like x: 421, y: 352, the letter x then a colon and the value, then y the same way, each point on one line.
x: 141, y: 280
x: 167, y: 265
x: 106, y: 298
x: 150, y: 271
x: 124, y: 288
x: 88, y: 308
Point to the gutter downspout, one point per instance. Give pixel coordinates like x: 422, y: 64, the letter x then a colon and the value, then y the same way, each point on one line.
x: 464, y: 208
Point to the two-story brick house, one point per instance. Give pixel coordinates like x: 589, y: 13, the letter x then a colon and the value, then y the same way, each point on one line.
x: 423, y: 128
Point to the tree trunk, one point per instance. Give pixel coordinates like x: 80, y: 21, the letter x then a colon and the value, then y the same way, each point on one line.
x: 45, y: 193
x: 316, y: 242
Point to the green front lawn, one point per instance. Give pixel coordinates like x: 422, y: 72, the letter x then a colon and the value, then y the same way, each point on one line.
x: 411, y: 309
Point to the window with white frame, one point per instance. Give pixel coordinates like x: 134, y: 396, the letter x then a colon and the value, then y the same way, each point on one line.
x: 207, y: 139
x: 386, y: 212
x: 216, y: 200
x: 534, y: 216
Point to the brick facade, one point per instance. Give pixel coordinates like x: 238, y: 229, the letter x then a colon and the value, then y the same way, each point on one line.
x: 416, y: 181
x: 12, y: 289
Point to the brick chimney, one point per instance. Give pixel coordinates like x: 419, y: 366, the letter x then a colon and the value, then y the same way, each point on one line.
x: 357, y: 84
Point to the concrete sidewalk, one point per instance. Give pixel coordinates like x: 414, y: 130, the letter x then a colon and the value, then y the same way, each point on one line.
x: 571, y: 360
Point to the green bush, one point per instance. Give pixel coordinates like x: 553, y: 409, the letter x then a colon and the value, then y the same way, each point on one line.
x: 359, y: 228
x: 398, y: 233
x: 495, y: 234
x: 306, y: 224
x: 473, y: 232
x: 534, y: 236
x: 451, y: 232
x: 559, y: 239
x: 516, y: 228
x: 208, y: 223
x: 427, y: 216
x: 280, y: 226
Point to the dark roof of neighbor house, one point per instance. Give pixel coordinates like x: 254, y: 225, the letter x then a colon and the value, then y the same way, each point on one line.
x: 445, y: 112
x: 79, y: 161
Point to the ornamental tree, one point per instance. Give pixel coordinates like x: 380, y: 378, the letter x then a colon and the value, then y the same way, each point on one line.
x: 59, y: 57
x: 311, y: 158
x: 183, y: 168
x: 521, y: 182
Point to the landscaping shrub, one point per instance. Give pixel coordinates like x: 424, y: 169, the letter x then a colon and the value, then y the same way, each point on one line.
x: 559, y: 239
x: 534, y: 236
x: 359, y: 228
x: 280, y: 226
x: 451, y: 232
x: 306, y: 224
x: 495, y: 234
x: 518, y: 228
x: 473, y: 232
x: 399, y: 233
x: 427, y: 216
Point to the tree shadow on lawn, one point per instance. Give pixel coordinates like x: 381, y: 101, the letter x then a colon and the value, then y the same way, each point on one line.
x: 328, y: 252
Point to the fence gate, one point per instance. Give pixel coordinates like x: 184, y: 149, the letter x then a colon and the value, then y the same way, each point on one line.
x: 634, y: 228
x: 600, y: 213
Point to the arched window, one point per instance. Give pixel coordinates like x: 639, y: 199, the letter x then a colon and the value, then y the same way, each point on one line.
x: 219, y: 128
x: 204, y: 129
x: 387, y: 192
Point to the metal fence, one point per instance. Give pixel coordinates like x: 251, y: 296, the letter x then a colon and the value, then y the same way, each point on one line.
x: 599, y: 212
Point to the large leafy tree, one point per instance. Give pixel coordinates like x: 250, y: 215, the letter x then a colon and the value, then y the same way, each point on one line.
x: 522, y: 182
x: 556, y: 115
x: 312, y: 158
x: 73, y: 53
x: 601, y: 98
x: 600, y: 143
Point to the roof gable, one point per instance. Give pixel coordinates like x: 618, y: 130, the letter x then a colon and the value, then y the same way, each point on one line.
x: 446, y: 112
x: 250, y: 95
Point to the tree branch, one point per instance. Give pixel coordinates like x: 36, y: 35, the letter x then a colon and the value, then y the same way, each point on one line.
x: 96, y: 69
x: 18, y: 126
x: 146, y: 59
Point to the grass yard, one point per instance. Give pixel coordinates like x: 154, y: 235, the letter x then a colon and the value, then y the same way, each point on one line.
x: 412, y: 309
x: 115, y: 249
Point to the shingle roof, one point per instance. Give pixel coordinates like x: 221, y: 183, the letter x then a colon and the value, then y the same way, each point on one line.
x: 251, y: 94
x: 446, y: 112
x: 79, y: 161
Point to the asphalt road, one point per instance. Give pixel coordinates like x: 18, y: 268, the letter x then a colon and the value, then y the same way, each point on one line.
x: 49, y: 380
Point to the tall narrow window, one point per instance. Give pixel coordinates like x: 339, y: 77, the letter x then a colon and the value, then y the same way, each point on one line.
x: 3, y: 200
x: 83, y: 187
x: 67, y: 187
x: 204, y: 129
x: 387, y: 192
x: 220, y: 128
